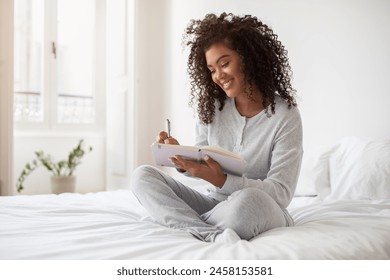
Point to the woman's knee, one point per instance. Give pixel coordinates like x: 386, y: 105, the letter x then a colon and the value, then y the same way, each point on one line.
x: 248, y: 200
x: 253, y: 212
x: 143, y: 171
x: 142, y: 177
x: 244, y: 206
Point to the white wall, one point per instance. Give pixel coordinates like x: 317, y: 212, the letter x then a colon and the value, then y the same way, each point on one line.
x: 339, y: 53
x: 152, y: 74
x: 89, y: 175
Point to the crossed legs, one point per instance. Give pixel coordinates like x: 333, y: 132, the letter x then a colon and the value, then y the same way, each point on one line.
x: 248, y: 212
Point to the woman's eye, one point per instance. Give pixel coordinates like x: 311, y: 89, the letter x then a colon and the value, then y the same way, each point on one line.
x: 225, y: 64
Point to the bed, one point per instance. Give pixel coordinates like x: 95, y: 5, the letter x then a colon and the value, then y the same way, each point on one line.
x: 341, y: 211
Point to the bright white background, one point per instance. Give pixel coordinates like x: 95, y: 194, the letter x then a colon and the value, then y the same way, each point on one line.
x: 339, y: 53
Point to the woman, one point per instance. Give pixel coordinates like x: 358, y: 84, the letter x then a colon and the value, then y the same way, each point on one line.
x: 240, y: 81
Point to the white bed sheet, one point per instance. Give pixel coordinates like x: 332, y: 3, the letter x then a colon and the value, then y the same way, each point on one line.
x: 113, y: 225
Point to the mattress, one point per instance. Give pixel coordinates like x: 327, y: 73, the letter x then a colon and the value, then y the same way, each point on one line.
x: 112, y: 225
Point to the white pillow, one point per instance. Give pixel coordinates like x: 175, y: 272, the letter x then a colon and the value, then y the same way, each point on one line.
x: 314, y: 175
x: 360, y: 169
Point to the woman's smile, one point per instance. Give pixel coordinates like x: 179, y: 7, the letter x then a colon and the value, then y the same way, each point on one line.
x: 225, y: 85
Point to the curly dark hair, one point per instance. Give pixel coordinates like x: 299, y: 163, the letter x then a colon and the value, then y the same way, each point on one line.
x: 263, y: 57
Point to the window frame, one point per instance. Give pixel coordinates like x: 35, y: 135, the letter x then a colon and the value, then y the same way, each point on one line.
x: 49, y: 72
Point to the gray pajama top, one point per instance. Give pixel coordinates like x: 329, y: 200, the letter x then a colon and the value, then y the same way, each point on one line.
x: 270, y: 143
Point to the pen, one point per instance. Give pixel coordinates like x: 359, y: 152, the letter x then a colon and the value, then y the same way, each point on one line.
x: 168, y: 128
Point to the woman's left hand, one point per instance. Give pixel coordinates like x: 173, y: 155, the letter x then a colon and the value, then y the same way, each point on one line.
x: 208, y: 169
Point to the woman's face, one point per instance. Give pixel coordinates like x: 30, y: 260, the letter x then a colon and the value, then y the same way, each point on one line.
x: 225, y: 68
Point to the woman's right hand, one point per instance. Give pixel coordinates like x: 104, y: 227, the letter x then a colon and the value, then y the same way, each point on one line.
x: 164, y: 139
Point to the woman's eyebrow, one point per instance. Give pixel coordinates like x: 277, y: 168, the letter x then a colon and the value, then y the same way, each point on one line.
x: 221, y: 57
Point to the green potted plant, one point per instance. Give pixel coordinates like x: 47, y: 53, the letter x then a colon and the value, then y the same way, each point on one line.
x: 62, y: 179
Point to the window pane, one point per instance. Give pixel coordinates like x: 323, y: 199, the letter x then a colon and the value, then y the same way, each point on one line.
x: 28, y: 42
x: 75, y: 57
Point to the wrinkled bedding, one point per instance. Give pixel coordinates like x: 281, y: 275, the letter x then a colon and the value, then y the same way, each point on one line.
x: 113, y: 225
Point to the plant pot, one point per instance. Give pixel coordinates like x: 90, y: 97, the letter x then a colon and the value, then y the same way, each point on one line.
x: 63, y: 184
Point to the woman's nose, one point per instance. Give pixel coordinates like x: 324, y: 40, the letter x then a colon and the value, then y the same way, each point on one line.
x: 219, y: 74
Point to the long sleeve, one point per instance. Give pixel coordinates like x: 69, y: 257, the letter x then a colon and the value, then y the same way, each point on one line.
x: 285, y: 162
x: 271, y: 144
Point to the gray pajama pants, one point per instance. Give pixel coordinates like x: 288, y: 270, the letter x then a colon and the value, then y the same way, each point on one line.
x: 248, y: 212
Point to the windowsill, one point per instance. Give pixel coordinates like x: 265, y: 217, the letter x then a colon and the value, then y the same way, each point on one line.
x: 53, y: 133
x: 44, y: 128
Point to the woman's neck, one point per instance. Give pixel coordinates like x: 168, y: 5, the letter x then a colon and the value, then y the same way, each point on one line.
x: 249, y: 107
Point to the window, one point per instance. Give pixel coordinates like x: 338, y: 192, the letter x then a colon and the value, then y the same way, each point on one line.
x: 58, y: 62
x: 28, y: 60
